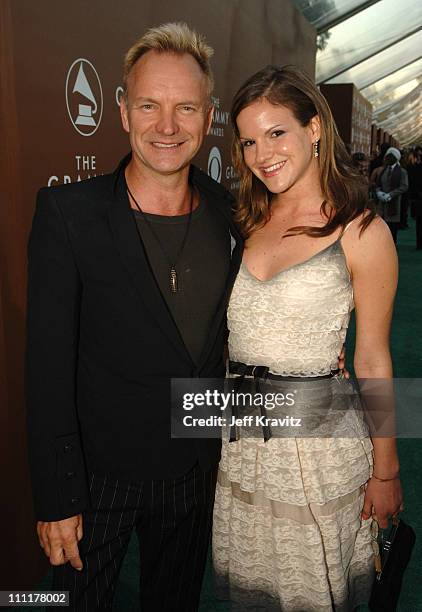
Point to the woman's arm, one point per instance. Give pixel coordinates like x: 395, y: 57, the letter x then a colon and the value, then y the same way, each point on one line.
x: 372, y: 260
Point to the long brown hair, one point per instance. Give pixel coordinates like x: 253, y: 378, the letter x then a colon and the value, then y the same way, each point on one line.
x: 341, y: 184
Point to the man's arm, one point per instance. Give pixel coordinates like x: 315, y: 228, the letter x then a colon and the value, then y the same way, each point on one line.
x: 54, y: 291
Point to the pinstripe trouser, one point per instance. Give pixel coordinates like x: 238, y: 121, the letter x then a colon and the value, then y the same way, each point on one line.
x: 172, y: 519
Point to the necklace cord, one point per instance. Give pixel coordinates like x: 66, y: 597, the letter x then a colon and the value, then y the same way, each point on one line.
x: 173, y: 273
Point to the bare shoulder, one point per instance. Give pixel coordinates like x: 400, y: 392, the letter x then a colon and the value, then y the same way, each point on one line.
x: 375, y: 235
x: 370, y: 247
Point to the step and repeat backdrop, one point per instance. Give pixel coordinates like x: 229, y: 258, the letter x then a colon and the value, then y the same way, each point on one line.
x: 61, y: 65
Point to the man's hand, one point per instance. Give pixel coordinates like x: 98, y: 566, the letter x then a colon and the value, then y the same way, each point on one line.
x: 59, y: 539
x: 342, y: 362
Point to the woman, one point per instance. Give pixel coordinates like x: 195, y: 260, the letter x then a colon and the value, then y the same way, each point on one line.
x: 292, y: 515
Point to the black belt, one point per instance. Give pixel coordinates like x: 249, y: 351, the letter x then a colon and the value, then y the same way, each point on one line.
x: 262, y: 373
x: 236, y: 367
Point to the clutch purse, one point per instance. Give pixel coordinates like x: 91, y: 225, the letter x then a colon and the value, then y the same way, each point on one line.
x: 392, y: 549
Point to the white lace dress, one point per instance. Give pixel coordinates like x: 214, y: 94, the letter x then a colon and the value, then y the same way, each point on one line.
x: 287, y: 531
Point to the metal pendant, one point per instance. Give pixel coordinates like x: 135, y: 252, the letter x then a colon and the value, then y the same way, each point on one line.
x: 173, y: 281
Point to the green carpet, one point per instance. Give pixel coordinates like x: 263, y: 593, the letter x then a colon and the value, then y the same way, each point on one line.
x: 407, y: 357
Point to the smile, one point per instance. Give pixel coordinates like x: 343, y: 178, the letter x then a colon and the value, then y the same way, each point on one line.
x: 273, y: 168
x: 162, y: 145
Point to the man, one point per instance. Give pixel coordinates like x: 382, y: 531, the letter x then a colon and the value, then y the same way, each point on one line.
x: 391, y: 183
x: 129, y: 277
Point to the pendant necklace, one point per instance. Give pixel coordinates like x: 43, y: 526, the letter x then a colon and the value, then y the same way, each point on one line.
x: 173, y: 278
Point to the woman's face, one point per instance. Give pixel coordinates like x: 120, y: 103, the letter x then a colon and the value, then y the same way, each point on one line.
x: 276, y: 147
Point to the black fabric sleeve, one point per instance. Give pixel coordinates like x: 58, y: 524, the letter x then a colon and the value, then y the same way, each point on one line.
x: 403, y: 186
x: 54, y: 292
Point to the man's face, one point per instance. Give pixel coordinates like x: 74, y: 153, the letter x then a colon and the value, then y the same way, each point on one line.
x: 390, y: 160
x: 166, y: 112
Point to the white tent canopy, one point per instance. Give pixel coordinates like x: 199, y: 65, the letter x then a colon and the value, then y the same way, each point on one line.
x: 378, y: 47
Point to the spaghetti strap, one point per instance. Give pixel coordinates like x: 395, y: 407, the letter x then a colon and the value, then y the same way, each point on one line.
x: 347, y: 227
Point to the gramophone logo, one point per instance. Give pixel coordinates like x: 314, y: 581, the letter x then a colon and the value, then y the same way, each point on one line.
x: 84, y: 97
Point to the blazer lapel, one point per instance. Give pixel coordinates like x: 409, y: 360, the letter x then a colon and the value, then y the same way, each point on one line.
x: 134, y: 257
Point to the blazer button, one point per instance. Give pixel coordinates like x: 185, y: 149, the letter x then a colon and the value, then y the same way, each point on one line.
x: 70, y: 475
x: 67, y: 447
x: 74, y: 500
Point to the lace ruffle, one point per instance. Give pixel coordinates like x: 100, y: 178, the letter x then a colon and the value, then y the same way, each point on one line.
x: 296, y: 322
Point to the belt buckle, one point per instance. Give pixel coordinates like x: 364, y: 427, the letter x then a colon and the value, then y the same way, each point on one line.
x: 260, y: 372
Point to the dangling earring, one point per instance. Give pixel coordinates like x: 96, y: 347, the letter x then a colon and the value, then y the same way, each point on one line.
x: 315, y: 147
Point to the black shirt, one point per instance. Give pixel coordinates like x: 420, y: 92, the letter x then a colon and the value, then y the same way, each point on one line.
x: 202, y: 269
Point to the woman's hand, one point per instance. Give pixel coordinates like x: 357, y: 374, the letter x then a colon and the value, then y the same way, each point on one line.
x: 382, y: 499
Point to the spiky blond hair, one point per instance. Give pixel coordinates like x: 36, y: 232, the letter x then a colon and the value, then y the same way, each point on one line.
x: 176, y: 38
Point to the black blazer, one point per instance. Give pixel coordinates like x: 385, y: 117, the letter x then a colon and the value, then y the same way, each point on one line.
x: 102, y: 346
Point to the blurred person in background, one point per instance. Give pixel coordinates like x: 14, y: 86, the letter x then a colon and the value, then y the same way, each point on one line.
x: 414, y: 170
x: 405, y: 161
x: 378, y: 160
x: 361, y: 162
x: 391, y: 183
x: 373, y: 179
x: 374, y: 154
